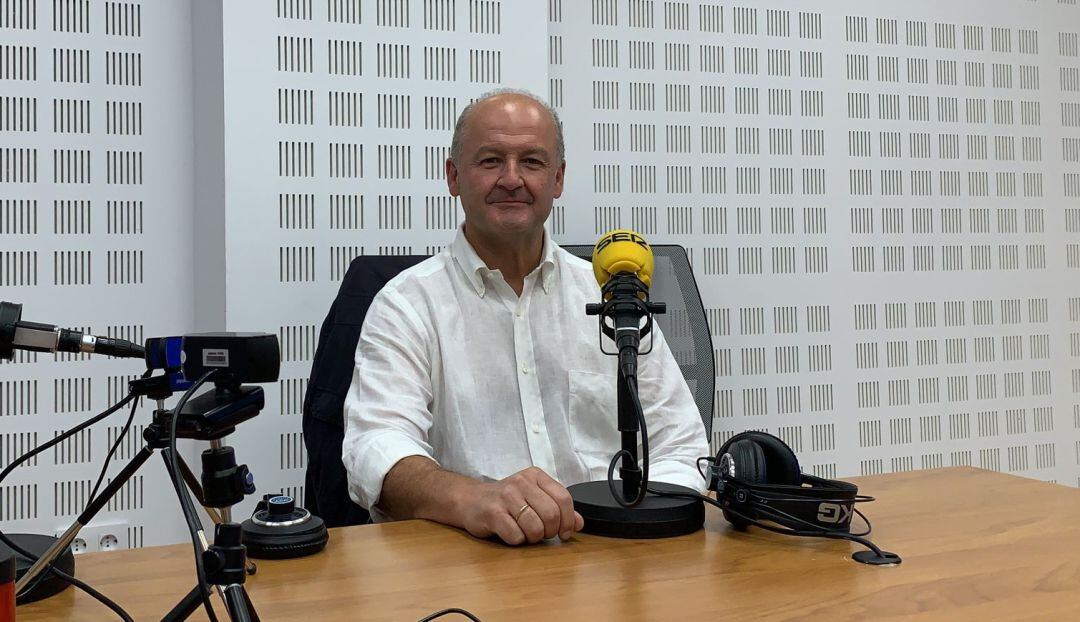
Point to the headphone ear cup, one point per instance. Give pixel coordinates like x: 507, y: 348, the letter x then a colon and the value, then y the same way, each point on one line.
x: 782, y: 464
x: 277, y: 542
x: 750, y: 468
x: 263, y: 545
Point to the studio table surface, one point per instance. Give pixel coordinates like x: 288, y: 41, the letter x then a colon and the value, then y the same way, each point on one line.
x: 976, y: 545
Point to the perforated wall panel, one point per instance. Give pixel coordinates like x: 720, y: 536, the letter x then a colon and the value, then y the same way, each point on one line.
x: 95, y: 201
x: 880, y: 204
x: 879, y: 200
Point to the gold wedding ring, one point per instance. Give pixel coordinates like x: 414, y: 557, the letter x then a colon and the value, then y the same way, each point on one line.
x: 523, y: 509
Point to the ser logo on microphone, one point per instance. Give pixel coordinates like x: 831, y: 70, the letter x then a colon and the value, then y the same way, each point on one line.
x: 834, y: 513
x: 621, y: 236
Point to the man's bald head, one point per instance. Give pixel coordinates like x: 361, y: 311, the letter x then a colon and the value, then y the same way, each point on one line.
x: 504, y: 94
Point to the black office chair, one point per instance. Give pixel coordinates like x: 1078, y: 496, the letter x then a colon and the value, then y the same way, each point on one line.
x: 326, y: 483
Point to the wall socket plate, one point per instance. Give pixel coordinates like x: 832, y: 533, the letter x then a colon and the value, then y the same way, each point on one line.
x: 109, y: 536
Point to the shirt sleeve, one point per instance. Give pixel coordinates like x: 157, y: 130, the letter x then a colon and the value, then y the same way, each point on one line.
x: 676, y: 433
x: 388, y: 407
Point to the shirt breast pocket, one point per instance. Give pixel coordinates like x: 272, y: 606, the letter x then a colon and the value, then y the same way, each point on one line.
x: 594, y: 424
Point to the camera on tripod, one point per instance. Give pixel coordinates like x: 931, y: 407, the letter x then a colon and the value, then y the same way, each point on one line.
x: 234, y: 359
x: 228, y: 360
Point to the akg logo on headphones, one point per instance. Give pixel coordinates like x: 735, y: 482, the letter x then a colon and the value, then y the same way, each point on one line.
x: 833, y: 513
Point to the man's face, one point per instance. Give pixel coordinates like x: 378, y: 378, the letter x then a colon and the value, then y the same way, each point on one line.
x: 508, y: 172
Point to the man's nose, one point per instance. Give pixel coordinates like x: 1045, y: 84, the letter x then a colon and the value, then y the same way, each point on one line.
x: 511, y: 179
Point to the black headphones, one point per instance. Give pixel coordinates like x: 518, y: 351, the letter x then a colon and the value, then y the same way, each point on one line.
x: 278, y: 529
x: 756, y: 477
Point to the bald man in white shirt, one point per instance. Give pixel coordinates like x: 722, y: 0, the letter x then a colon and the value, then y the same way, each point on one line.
x: 480, y: 391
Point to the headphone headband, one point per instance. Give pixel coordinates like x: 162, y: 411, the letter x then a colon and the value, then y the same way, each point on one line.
x: 812, y: 487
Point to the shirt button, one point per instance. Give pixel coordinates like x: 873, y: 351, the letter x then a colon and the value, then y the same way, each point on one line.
x: 536, y: 428
x: 518, y: 314
x: 524, y: 370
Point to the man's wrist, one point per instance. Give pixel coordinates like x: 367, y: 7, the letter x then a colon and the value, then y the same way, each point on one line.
x: 458, y: 499
x: 417, y: 487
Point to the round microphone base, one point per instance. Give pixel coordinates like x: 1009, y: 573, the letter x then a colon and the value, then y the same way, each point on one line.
x: 45, y: 584
x: 654, y: 517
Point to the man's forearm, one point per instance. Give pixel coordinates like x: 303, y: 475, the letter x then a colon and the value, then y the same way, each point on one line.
x: 417, y: 487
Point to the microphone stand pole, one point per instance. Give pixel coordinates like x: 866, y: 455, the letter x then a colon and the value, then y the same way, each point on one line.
x: 628, y: 429
x: 635, y: 515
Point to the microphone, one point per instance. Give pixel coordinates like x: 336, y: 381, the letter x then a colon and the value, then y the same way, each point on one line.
x: 622, y: 251
x: 623, y: 265
x: 35, y: 337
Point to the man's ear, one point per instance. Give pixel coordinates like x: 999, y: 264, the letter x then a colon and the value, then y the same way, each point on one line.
x: 451, y: 177
x: 559, y: 174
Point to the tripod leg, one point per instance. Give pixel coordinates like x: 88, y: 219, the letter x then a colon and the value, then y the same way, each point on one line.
x: 91, y: 510
x: 186, y: 606
x: 240, y: 607
x: 250, y: 605
x: 192, y: 481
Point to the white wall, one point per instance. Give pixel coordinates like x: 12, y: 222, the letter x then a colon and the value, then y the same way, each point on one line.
x: 881, y: 212
x: 101, y: 222
x: 886, y: 280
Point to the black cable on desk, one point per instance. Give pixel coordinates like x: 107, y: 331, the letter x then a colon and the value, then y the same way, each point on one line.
x: 446, y: 612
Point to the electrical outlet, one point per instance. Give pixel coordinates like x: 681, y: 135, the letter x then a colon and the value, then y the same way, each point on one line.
x: 109, y: 542
x: 95, y: 537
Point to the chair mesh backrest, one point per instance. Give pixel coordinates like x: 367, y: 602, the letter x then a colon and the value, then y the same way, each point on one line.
x: 684, y: 324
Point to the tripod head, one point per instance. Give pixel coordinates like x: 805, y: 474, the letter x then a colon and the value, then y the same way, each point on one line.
x: 208, y: 417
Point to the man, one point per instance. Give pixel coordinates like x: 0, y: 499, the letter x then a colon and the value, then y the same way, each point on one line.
x: 480, y: 391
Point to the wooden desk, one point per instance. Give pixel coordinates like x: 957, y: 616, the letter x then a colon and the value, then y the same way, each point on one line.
x: 976, y: 545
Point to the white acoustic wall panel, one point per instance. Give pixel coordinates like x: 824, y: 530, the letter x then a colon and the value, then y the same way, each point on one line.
x: 338, y: 118
x: 95, y: 233
x: 880, y: 202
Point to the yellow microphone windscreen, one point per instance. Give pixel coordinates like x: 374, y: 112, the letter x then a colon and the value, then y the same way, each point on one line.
x: 622, y: 250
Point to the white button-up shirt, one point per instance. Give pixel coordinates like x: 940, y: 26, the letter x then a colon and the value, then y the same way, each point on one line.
x: 453, y: 365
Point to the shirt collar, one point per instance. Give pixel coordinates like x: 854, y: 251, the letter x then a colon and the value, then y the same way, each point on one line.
x: 475, y: 269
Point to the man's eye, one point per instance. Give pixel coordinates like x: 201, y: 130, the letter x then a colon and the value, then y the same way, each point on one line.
x: 533, y: 162
x: 489, y: 161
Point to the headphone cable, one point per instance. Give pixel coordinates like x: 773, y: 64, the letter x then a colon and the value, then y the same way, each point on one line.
x: 835, y: 535
x: 776, y: 512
